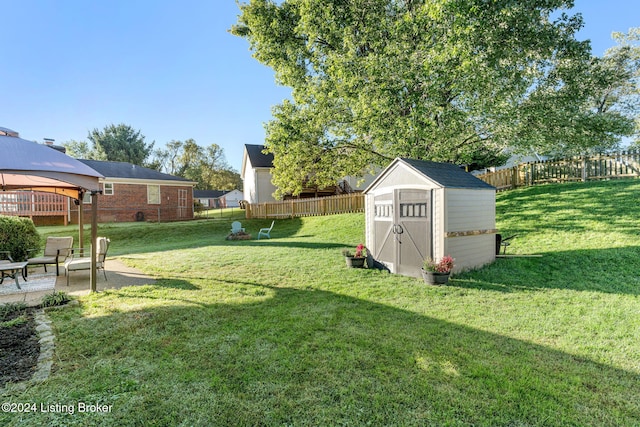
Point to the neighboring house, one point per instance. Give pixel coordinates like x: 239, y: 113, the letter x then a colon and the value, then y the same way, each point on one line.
x: 514, y: 160
x: 136, y: 193
x: 231, y: 199
x: 216, y: 199
x: 256, y: 174
x: 209, y: 199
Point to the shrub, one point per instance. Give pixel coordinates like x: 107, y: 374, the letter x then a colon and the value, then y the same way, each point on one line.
x: 55, y: 298
x: 17, y: 236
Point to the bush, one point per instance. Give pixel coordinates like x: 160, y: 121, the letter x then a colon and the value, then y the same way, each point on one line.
x: 17, y: 236
x: 55, y: 298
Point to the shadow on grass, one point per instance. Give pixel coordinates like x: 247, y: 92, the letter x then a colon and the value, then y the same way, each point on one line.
x: 312, y: 357
x: 612, y: 270
x: 574, y: 207
x: 126, y: 240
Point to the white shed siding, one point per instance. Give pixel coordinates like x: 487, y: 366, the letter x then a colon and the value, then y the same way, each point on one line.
x: 369, y: 212
x: 439, y: 219
x: 471, y: 251
x: 460, y: 203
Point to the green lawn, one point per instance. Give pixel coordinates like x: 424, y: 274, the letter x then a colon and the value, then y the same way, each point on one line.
x: 281, y: 332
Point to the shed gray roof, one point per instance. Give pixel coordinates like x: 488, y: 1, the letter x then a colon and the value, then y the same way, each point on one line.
x: 131, y: 171
x: 257, y: 158
x: 446, y: 174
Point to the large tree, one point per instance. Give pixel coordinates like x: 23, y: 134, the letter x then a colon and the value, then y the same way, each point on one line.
x: 619, y: 71
x: 120, y: 143
x: 446, y: 80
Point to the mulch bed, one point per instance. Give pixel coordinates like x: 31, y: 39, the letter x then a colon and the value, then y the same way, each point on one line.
x: 240, y: 235
x: 19, y: 347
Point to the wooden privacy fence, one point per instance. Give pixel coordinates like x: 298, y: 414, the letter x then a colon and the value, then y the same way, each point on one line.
x: 580, y: 168
x: 345, y: 203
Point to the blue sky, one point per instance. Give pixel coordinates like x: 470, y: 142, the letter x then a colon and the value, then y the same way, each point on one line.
x: 167, y: 68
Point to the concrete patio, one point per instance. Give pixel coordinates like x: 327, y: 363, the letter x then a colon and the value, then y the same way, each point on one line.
x: 118, y: 275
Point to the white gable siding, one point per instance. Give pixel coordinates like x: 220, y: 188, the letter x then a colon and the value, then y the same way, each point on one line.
x: 249, y: 184
x: 264, y: 187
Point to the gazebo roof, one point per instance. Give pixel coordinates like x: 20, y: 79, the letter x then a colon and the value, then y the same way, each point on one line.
x: 29, y: 165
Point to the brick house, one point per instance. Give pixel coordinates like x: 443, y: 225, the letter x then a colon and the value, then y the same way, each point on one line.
x: 135, y: 193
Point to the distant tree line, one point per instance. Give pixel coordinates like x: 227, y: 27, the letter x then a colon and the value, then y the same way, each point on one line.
x: 121, y: 143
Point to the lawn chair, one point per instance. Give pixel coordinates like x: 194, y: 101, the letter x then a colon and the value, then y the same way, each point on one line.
x: 266, y: 231
x: 75, y: 263
x: 503, y: 243
x: 56, y: 250
x: 236, y: 227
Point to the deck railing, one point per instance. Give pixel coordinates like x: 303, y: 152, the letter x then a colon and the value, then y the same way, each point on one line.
x: 32, y: 203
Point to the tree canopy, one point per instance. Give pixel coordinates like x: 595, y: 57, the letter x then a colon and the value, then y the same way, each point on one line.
x: 205, y: 165
x: 120, y: 143
x: 444, y: 80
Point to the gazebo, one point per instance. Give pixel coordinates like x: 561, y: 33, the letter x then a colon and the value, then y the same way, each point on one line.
x: 27, y: 165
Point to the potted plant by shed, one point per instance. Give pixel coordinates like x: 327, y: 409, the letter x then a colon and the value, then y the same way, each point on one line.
x: 437, y: 272
x: 357, y: 259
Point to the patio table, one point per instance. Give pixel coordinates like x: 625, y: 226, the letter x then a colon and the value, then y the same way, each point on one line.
x: 11, y: 269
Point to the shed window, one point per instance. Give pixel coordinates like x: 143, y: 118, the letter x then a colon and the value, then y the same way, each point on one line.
x: 108, y: 189
x: 412, y: 210
x: 153, y: 194
x: 384, y: 210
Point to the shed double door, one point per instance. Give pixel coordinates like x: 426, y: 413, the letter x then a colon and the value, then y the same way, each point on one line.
x: 402, y: 229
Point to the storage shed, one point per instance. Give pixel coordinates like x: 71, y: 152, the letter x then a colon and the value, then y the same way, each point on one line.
x: 418, y: 209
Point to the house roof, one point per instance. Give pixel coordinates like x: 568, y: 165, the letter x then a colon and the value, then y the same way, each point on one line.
x: 208, y: 194
x: 444, y: 174
x: 130, y: 171
x: 257, y: 158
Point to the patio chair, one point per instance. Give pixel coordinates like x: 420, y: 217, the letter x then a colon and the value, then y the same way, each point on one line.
x: 56, y: 250
x: 266, y: 231
x: 503, y: 243
x: 74, y: 263
x: 236, y: 227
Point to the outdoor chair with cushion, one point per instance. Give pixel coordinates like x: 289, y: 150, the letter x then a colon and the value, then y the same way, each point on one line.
x: 266, y: 231
x: 236, y: 227
x: 56, y: 250
x: 75, y: 262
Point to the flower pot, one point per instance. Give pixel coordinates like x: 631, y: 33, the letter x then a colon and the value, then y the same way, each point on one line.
x: 355, y: 262
x: 435, y: 278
